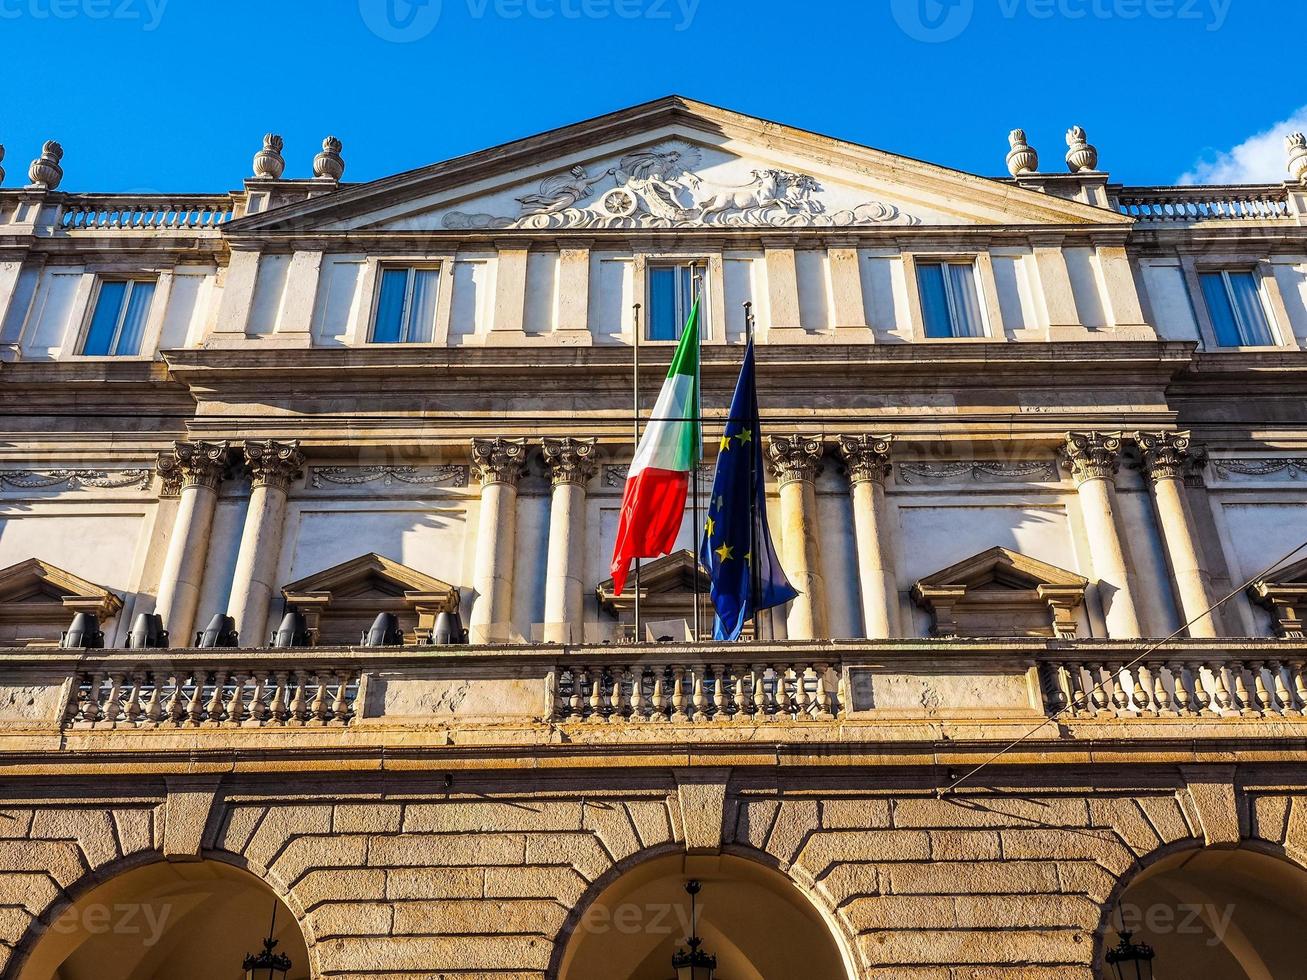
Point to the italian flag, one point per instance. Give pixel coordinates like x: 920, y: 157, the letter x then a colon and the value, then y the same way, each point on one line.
x: 653, y: 503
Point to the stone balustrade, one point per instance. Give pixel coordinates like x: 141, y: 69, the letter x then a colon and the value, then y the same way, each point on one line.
x: 695, y: 689
x: 126, y: 212
x: 182, y: 696
x: 1178, y: 684
x: 1204, y: 203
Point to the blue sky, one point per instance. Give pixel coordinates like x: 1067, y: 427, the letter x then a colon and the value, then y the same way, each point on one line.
x: 174, y: 95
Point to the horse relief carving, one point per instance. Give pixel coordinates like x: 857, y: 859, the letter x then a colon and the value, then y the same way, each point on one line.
x: 659, y: 188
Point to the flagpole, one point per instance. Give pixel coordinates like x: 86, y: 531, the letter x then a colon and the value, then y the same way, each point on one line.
x: 698, y: 447
x: 755, y: 464
x: 635, y: 427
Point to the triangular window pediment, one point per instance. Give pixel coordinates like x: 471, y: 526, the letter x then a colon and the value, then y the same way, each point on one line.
x: 666, y: 589
x: 1284, y: 595
x: 38, y: 600
x: 1002, y: 593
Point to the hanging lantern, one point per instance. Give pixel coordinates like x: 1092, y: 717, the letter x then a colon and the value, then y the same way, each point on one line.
x: 1131, y: 961
x: 694, y: 963
x: 267, y: 965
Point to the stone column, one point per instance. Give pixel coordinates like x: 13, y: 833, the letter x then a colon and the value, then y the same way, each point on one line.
x: 1166, y: 457
x: 867, y: 459
x: 796, y: 461
x: 273, y: 465
x: 194, y: 470
x: 1093, y: 459
x: 499, y: 464
x: 571, y: 465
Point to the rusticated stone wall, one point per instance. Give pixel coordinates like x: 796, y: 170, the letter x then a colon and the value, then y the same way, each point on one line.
x: 401, y: 880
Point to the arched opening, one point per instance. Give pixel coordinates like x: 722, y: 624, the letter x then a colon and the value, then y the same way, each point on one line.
x: 1217, y: 913
x: 164, y: 920
x: 757, y: 923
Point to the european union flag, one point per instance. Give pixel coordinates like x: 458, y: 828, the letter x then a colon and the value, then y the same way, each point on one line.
x: 737, y: 548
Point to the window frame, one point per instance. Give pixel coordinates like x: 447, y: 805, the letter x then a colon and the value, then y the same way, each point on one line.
x: 1263, y: 299
x: 435, y: 267
x: 699, y: 265
x: 972, y: 261
x: 131, y: 279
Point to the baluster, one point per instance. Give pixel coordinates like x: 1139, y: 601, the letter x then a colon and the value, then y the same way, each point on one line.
x: 1182, y: 698
x: 215, y: 702
x: 1202, y: 702
x: 639, y: 703
x: 1242, y: 698
x: 339, y: 707
x: 1265, y: 703
x: 735, y: 692
x: 319, y: 698
x: 1143, y: 699
x: 596, y: 694
x: 94, y: 711
x: 154, y: 710
x: 278, y: 709
x: 1098, y: 689
x: 659, y: 694
x: 1120, y: 695
x: 258, y: 712
x: 576, y: 703
x: 134, y: 709
x: 1298, y: 670
x: 678, y: 694
x: 113, y: 700
x: 757, y: 703
x: 195, y: 702
x: 1223, y: 699
x: 1283, y: 698
x: 1161, y: 697
x: 1057, y: 692
x: 1075, y: 675
x: 621, y: 698
x: 299, y: 706
x: 699, y: 704
x: 803, y: 696
x: 236, y: 703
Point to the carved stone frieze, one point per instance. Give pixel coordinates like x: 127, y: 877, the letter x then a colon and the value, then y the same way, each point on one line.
x: 1092, y: 455
x: 197, y: 464
x: 1025, y: 470
x: 1292, y: 468
x: 658, y: 187
x: 795, y: 457
x: 499, y: 460
x: 451, y: 474
x: 76, y: 479
x: 570, y: 460
x: 866, y: 457
x: 274, y: 464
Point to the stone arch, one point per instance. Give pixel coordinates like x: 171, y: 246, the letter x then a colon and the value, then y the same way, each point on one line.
x: 1211, y: 911
x: 638, y: 910
x: 148, y: 916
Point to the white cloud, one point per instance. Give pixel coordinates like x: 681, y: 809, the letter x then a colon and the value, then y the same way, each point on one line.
x: 1260, y: 159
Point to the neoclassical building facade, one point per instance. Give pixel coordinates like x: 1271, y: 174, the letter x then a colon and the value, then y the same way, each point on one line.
x: 1037, y: 452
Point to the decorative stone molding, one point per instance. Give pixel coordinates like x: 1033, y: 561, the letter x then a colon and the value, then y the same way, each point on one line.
x: 1002, y: 593
x: 45, y: 172
x: 452, y: 474
x: 274, y: 464
x: 268, y: 162
x: 1022, y: 158
x: 329, y: 163
x: 1285, y: 597
x: 795, y: 457
x: 866, y: 457
x: 1026, y: 470
x: 1167, y: 455
x: 76, y: 479
x: 38, y: 599
x: 666, y: 593
x: 1081, y: 156
x: 615, y: 474
x: 1092, y: 455
x: 1293, y: 468
x: 1296, y: 144
x: 499, y: 460
x: 570, y: 460
x: 192, y: 464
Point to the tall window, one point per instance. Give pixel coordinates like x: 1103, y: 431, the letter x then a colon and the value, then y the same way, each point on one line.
x: 949, y: 301
x: 671, y: 294
x: 1234, y: 301
x: 118, y: 323
x: 406, y: 308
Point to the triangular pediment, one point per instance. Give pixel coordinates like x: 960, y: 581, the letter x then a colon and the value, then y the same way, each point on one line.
x: 669, y: 575
x: 1000, y: 569
x: 366, y: 577
x: 673, y: 164
x: 37, y: 581
x: 1295, y: 574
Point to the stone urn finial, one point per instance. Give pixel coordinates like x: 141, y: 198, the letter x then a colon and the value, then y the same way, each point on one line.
x: 268, y: 162
x: 329, y: 162
x: 1022, y: 158
x: 1296, y: 144
x: 45, y: 172
x: 1082, y: 156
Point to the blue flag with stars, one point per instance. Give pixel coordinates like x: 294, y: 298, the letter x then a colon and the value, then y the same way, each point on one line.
x: 737, y: 548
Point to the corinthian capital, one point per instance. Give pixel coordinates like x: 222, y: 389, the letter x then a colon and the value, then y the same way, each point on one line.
x: 499, y: 460
x: 1167, y: 455
x: 795, y: 457
x: 867, y: 457
x: 192, y: 464
x: 1092, y: 455
x: 272, y: 463
x: 570, y: 460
